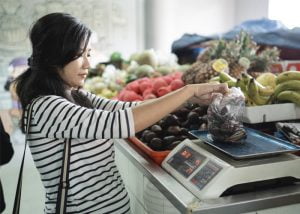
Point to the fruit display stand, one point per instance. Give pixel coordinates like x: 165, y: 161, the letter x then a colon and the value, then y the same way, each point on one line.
x: 271, y: 113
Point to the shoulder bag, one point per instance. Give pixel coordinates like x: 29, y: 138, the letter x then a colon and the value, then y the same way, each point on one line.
x: 61, y: 202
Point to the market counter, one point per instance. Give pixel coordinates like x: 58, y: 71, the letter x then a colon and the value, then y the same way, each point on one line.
x: 285, y: 198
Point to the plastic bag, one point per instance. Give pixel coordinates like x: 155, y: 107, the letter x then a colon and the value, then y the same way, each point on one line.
x: 224, y: 116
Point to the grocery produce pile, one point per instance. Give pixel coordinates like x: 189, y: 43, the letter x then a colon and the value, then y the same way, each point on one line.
x: 171, y: 130
x: 149, y: 88
x: 241, y: 63
x: 109, y: 78
x: 241, y: 54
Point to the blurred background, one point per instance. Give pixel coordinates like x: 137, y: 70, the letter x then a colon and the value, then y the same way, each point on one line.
x: 128, y: 26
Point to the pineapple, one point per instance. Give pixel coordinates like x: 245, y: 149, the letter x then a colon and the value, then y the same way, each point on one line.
x: 236, y: 70
x: 199, y: 72
x: 214, y: 50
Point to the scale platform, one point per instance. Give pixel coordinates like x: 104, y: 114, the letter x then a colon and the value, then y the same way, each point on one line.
x: 255, y: 145
x: 209, y: 172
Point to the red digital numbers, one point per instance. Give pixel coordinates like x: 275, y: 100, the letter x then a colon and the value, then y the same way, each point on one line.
x: 197, y: 162
x: 186, y: 154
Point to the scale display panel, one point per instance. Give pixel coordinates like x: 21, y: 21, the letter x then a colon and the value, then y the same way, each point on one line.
x: 186, y: 161
x: 204, y: 175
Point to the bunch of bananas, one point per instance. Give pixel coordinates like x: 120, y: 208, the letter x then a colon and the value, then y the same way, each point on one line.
x: 287, y: 88
x: 255, y: 93
x: 261, y: 91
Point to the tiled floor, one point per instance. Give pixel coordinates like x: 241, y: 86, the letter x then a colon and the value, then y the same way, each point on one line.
x: 32, y: 191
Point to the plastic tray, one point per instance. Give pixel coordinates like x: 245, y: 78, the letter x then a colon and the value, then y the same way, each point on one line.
x: 271, y: 113
x: 257, y: 144
x: 156, y: 156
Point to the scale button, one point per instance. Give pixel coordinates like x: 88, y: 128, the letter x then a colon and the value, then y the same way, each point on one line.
x: 205, y: 175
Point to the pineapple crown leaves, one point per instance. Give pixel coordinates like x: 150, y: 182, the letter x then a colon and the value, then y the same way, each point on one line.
x: 270, y: 54
x: 242, y: 46
x: 214, y: 51
x: 264, y: 59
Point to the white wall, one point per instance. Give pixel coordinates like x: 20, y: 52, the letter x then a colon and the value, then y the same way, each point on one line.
x: 118, y: 24
x: 168, y: 20
x: 250, y: 9
x: 286, y: 11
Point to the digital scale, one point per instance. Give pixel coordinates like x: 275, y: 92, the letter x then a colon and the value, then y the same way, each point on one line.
x: 213, y: 169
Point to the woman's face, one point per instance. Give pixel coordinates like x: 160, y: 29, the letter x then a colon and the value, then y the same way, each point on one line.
x: 75, y: 72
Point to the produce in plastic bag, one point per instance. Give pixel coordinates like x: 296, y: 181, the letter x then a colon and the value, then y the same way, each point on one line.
x: 224, y: 114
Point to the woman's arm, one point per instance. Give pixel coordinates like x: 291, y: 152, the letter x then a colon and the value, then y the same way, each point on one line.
x: 56, y: 117
x: 108, y: 104
x: 148, y: 113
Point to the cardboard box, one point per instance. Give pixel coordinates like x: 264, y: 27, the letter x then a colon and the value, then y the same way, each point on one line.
x: 271, y: 113
x: 292, y: 65
x: 285, y: 65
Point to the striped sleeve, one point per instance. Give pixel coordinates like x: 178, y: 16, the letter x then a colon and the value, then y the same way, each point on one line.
x: 56, y: 117
x: 108, y: 104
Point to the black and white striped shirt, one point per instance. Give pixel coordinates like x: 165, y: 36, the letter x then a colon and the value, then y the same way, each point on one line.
x: 95, y: 185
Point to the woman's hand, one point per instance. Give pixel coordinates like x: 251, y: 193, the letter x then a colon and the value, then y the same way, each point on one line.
x: 209, y: 88
x: 203, y: 93
x: 204, y: 100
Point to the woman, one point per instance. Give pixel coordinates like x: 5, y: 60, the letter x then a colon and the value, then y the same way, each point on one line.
x: 58, y: 67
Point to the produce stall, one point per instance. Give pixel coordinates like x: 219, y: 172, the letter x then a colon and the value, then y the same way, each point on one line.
x: 200, y: 176
x: 259, y: 175
x: 213, y: 159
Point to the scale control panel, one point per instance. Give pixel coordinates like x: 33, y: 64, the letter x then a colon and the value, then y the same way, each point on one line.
x: 187, y: 161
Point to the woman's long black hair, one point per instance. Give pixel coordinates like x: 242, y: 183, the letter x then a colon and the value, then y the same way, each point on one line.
x: 56, y: 39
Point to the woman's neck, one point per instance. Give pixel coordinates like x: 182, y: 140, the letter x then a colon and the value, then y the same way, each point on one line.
x: 69, y: 94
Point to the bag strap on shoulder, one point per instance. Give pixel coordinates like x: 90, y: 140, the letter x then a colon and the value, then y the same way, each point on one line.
x: 63, y: 185
x: 18, y: 194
